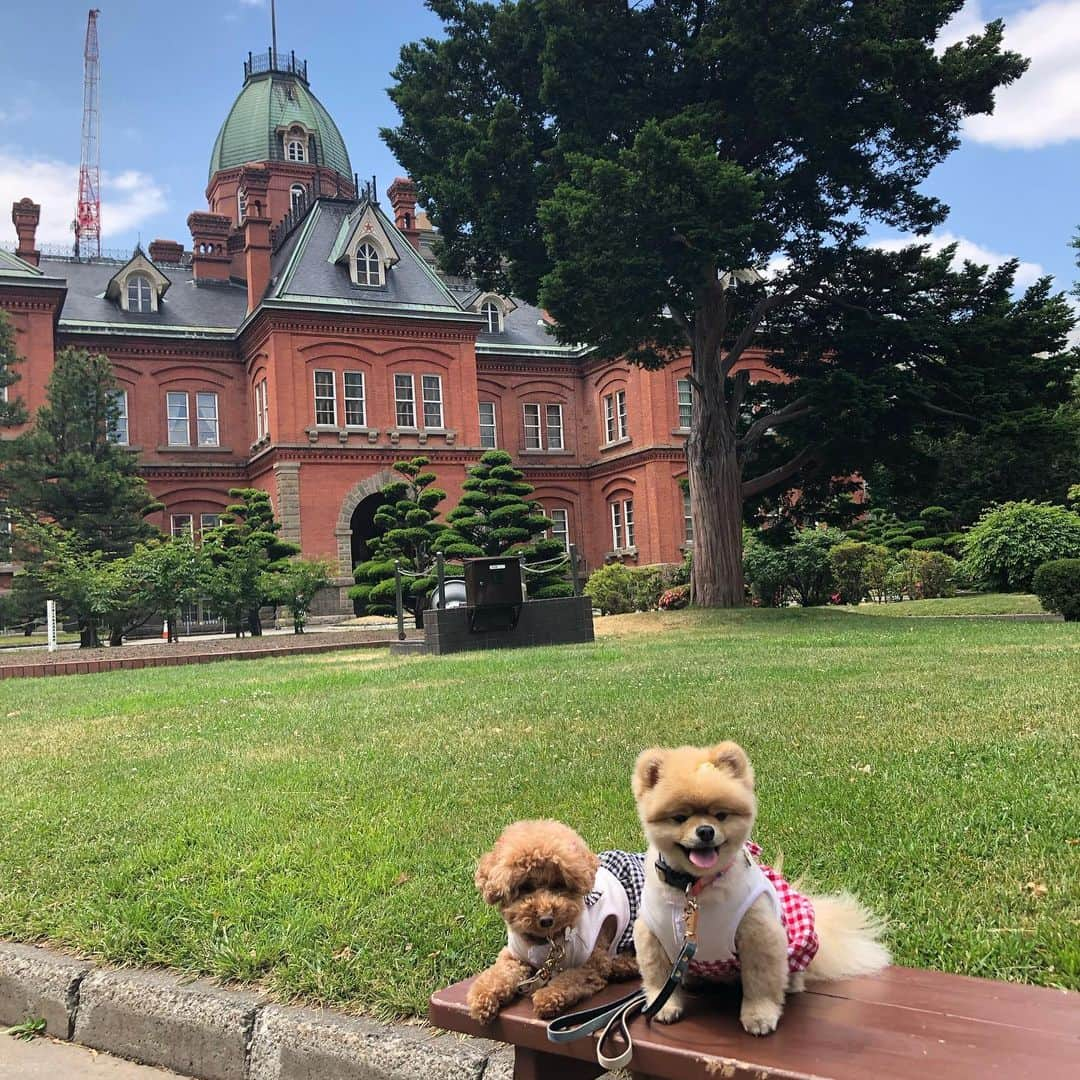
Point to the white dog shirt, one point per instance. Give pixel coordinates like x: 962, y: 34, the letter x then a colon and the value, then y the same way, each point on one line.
x: 663, y: 910
x: 613, y: 894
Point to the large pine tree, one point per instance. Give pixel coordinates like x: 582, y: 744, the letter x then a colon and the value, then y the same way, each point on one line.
x: 496, y: 517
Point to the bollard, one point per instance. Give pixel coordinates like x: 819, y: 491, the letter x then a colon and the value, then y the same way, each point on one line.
x: 399, y: 601
x: 575, y: 579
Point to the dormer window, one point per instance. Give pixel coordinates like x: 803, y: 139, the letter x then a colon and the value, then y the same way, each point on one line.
x: 295, y: 150
x: 297, y: 197
x: 140, y: 293
x: 492, y: 315
x: 368, y: 265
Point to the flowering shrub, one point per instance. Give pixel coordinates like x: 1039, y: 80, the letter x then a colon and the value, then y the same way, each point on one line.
x: 674, y: 599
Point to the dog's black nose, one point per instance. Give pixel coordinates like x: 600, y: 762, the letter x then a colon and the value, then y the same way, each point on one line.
x: 546, y: 921
x: 706, y: 834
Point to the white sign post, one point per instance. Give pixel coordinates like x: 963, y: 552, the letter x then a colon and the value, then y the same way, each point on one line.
x: 50, y: 616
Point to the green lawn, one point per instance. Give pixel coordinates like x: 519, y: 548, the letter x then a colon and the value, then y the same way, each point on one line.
x: 976, y: 604
x: 312, y: 824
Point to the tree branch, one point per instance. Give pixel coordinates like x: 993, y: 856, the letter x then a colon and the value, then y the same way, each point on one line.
x: 680, y: 320
x: 940, y: 410
x: 738, y: 395
x: 753, y: 321
x: 794, y: 410
x: 779, y: 474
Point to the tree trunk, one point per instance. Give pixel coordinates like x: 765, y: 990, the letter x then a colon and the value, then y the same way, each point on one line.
x: 88, y: 635
x: 715, y: 473
x: 254, y: 623
x: 116, y: 636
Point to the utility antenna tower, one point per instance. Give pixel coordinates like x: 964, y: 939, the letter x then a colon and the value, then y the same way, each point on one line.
x: 88, y: 211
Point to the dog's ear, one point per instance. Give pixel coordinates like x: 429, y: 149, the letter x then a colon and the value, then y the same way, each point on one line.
x: 731, y: 758
x: 493, y: 878
x: 647, y: 770
x: 578, y: 868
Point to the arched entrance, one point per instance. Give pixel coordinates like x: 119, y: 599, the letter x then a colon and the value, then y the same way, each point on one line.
x: 362, y: 527
x: 356, y: 521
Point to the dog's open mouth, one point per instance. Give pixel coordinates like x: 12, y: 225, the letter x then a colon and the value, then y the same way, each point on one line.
x: 702, y: 857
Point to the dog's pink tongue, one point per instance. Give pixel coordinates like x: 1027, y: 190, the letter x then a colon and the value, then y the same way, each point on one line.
x: 704, y: 857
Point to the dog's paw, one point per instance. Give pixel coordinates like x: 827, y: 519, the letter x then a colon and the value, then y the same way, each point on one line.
x: 548, y: 1003
x: 483, y: 1008
x: 670, y: 1012
x: 760, y: 1017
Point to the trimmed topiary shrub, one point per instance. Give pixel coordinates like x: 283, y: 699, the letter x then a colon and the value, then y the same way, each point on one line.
x: 1057, y: 585
x: 929, y: 543
x: 611, y: 589
x: 927, y: 575
x: 848, y: 560
x: 765, y: 572
x: 1008, y: 543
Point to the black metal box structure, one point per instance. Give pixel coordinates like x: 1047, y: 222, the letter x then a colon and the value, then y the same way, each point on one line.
x: 493, y: 593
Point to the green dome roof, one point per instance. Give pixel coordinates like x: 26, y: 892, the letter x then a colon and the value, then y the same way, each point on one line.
x: 268, y: 102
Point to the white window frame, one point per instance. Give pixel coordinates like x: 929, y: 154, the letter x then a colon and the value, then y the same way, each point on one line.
x: 203, y: 527
x: 492, y: 314
x: 176, y: 527
x: 143, y: 301
x: 368, y: 266
x: 207, y: 418
x: 531, y: 417
x: 322, y: 398
x: 553, y: 426
x: 404, y: 381
x: 616, y: 427
x: 688, y: 519
x: 560, y: 525
x: 262, y: 409
x: 489, y: 432
x: 296, y: 193
x: 175, y: 416
x: 684, y: 400
x: 295, y: 149
x: 431, y: 391
x: 119, y: 432
x: 357, y: 417
x: 622, y: 524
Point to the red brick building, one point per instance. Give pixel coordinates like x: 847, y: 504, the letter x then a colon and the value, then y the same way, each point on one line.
x: 305, y: 341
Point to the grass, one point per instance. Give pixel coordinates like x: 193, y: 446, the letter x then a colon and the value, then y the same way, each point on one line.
x: 976, y: 604
x: 23, y: 641
x: 312, y: 824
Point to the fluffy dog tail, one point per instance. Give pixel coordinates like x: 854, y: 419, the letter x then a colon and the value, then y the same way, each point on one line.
x: 850, y: 936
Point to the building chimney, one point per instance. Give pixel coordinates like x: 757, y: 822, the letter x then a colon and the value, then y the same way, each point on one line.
x: 402, y: 194
x: 210, y: 257
x: 168, y: 252
x: 25, y: 215
x: 256, y: 228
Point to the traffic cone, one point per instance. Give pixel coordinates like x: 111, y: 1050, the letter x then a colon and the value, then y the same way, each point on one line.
x: 165, y: 630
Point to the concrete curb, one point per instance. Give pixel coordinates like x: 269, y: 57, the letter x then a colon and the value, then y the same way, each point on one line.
x: 204, y: 1031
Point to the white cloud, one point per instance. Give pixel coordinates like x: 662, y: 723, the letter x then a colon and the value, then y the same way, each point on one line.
x: 966, y: 251
x: 1043, y: 106
x: 128, y: 198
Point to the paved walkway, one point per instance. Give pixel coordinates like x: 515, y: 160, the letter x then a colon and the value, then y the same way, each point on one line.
x: 44, y: 1059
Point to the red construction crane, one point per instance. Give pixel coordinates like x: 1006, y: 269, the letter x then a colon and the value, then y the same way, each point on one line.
x: 88, y: 212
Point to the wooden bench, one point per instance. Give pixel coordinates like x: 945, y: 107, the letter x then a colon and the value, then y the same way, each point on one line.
x: 915, y: 1025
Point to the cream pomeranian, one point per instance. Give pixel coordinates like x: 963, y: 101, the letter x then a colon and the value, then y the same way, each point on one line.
x: 697, y: 806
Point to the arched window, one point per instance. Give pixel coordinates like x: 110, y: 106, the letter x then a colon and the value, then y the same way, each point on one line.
x: 490, y: 311
x: 241, y: 204
x: 139, y: 293
x: 297, y: 195
x: 295, y: 150
x: 368, y: 267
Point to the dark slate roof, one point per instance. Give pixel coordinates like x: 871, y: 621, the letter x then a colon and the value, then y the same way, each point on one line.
x: 186, y: 307
x: 303, y: 275
x: 524, y: 327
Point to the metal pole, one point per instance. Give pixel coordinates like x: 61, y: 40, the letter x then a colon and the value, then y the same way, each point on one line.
x: 399, y: 601
x: 440, y: 562
x: 574, y: 578
x: 273, y: 29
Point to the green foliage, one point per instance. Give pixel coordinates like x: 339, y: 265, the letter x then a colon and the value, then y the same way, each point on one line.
x: 808, y: 569
x: 1008, y: 543
x: 1073, y: 497
x: 295, y: 584
x: 1057, y: 585
x: 30, y: 1029
x: 65, y: 470
x: 166, y: 574
x: 611, y: 589
x: 926, y: 575
x: 495, y: 517
x: 675, y: 599
x: 407, y: 533
x: 242, y: 550
x: 879, y: 572
x: 766, y: 572
x: 848, y: 560
x: 12, y: 410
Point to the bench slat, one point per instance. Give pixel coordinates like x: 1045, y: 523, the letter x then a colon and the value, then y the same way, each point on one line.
x: 902, y: 1024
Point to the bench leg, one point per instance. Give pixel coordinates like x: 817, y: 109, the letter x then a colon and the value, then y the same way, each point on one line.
x: 536, y: 1065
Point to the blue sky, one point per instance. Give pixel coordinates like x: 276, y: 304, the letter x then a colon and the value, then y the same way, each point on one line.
x: 171, y: 71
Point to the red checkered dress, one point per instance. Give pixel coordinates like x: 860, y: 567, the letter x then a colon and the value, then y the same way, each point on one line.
x: 797, y: 914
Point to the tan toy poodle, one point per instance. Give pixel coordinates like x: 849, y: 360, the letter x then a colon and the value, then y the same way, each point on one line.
x: 569, y: 915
